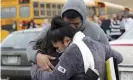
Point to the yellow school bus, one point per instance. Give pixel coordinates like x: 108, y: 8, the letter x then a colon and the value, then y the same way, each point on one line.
x: 114, y: 8
x: 16, y: 13
x: 46, y: 9
x: 111, y: 8
x: 13, y: 13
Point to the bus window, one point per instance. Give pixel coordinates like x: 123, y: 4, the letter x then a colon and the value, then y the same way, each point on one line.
x: 54, y: 6
x: 92, y: 11
x: 24, y: 11
x: 42, y: 9
x: 59, y: 9
x: 101, y: 8
x: 48, y: 10
x: 24, y: 1
x: 54, y: 9
x: 48, y: 6
x: 101, y: 11
x: 59, y: 6
x: 36, y: 9
x: 8, y: 12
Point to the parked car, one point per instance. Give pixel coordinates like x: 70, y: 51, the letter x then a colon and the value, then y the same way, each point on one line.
x: 124, y: 45
x: 14, y: 63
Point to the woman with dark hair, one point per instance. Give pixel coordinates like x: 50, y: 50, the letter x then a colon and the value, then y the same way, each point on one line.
x: 82, y: 58
x: 31, y: 24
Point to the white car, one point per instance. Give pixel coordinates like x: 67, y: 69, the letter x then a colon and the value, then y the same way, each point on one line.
x: 124, y: 45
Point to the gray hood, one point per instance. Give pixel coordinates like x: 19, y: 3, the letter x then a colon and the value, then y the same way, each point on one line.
x: 77, y: 5
x: 89, y: 28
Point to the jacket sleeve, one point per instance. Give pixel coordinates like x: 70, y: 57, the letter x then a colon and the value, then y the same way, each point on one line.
x: 39, y: 74
x: 66, y: 68
x: 31, y: 51
x: 112, y: 53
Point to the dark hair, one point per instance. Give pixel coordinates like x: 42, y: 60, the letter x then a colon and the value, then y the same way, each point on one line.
x: 45, y: 45
x: 60, y: 29
x: 31, y: 21
x: 71, y: 14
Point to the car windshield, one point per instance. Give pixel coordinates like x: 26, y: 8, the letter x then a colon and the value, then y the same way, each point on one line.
x: 19, y: 40
x: 127, y: 35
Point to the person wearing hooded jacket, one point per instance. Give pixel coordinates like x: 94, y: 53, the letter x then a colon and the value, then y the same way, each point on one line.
x: 75, y: 13
x: 82, y: 58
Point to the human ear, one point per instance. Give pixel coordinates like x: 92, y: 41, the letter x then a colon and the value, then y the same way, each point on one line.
x: 67, y: 41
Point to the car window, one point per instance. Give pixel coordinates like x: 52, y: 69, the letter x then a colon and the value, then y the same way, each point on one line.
x: 18, y: 40
x: 127, y: 35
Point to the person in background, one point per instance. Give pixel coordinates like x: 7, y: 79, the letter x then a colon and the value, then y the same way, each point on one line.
x: 46, y: 23
x: 14, y: 26
x: 122, y: 23
x: 106, y: 26
x: 96, y: 19
x: 129, y: 22
x: 132, y: 15
x: 31, y: 24
x: 115, y: 31
x: 23, y: 25
x: 101, y: 17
